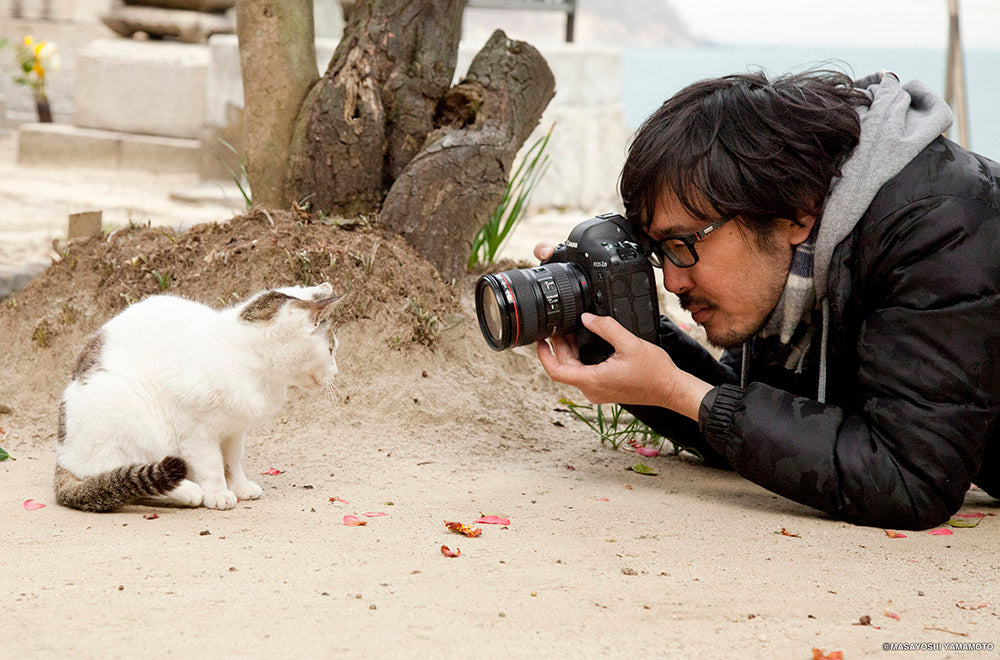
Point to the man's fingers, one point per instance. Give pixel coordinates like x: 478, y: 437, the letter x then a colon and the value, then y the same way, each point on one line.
x: 607, y: 329
x: 564, y: 351
x: 561, y: 366
x: 543, y: 251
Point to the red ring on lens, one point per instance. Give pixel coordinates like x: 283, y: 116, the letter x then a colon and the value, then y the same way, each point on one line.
x: 517, y: 315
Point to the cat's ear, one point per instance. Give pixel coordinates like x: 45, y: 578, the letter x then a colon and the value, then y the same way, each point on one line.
x: 320, y: 310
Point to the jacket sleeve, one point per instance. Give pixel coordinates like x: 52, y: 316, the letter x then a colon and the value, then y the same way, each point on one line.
x: 692, y: 357
x: 919, y: 411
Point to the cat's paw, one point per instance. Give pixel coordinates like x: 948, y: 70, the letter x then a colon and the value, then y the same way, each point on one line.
x: 247, y: 490
x: 187, y: 493
x: 223, y: 499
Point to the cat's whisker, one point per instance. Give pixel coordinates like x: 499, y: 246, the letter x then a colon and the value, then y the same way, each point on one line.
x: 330, y: 385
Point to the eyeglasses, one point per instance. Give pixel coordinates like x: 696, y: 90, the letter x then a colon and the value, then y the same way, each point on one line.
x: 680, y: 249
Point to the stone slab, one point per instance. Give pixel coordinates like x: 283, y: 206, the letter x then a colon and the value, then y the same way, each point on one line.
x: 84, y: 224
x: 64, y: 145
x: 151, y: 88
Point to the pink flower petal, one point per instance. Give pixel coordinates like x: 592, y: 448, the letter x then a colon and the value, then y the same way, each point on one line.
x: 272, y: 471
x: 374, y: 514
x: 970, y: 515
x: 32, y: 505
x: 603, y: 499
x: 941, y: 531
x: 338, y: 500
x: 493, y: 520
x: 353, y: 521
x: 647, y: 451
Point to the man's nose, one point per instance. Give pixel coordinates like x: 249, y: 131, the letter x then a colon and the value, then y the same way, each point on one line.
x: 676, y: 280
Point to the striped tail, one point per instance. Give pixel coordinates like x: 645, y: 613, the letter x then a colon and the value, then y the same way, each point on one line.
x: 111, y: 490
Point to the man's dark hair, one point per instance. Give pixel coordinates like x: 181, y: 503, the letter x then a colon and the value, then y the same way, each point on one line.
x: 745, y: 146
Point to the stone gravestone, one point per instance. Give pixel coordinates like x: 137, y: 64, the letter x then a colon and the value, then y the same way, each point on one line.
x: 191, y: 21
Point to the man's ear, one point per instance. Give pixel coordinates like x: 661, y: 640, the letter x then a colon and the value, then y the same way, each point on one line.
x: 797, y: 233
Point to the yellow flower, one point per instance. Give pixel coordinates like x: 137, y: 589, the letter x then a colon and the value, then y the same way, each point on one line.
x: 28, y: 41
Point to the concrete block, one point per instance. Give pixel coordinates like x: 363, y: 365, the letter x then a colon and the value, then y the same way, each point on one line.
x: 159, y: 155
x: 64, y: 145
x: 586, y: 153
x: 151, y: 88
x: 60, y: 144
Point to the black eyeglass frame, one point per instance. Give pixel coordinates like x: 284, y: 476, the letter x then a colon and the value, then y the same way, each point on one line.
x: 658, y: 252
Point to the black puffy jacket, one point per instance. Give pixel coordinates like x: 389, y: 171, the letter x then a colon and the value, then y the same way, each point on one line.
x: 913, y: 363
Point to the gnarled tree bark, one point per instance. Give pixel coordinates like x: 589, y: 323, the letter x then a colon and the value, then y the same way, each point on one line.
x: 448, y: 191
x: 371, y: 111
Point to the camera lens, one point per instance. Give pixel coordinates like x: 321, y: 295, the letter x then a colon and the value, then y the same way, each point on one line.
x: 518, y: 307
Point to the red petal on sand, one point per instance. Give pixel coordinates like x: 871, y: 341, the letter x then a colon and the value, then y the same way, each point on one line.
x: 940, y: 531
x: 459, y: 528
x: 32, y: 505
x: 151, y: 516
x: 832, y: 655
x: 599, y: 499
x: 969, y: 515
x: 272, y: 471
x: 493, y: 520
x: 891, y: 614
x: 647, y: 451
x: 337, y: 499
x: 448, y: 553
x: 894, y: 535
x: 352, y: 521
x: 373, y: 514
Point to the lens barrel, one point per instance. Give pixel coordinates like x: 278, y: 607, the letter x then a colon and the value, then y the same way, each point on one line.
x: 518, y: 307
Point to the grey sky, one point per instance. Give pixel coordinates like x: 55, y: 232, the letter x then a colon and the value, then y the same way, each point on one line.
x: 891, y: 23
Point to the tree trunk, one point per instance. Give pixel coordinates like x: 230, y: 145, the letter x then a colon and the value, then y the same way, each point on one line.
x: 450, y: 189
x: 370, y: 113
x: 278, y: 62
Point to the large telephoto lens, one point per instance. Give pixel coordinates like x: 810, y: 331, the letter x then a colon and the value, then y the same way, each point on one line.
x: 518, y: 307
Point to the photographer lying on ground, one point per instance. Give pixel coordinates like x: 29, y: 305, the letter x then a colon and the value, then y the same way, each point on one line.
x: 848, y: 257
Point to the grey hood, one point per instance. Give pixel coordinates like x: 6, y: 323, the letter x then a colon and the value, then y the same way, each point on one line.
x: 901, y: 121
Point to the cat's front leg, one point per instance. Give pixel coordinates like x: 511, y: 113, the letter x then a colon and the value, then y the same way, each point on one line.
x: 205, y: 468
x: 236, y: 479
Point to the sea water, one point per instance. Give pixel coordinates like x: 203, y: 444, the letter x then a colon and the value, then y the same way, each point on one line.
x: 650, y: 75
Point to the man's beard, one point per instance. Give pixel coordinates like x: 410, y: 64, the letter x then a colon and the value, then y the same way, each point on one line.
x: 726, y: 338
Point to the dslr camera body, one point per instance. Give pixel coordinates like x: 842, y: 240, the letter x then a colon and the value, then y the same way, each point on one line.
x: 603, y: 268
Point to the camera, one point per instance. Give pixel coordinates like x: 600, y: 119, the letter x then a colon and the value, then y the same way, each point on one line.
x: 602, y: 268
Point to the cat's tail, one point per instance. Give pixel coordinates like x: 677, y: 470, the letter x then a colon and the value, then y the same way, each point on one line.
x: 114, y: 489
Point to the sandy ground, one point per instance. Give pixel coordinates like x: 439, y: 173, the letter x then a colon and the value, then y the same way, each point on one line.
x: 597, y: 561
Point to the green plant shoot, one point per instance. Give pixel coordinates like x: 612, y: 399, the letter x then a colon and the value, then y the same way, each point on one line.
x: 513, y: 204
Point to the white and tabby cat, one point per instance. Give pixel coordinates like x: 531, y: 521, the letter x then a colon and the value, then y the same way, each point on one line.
x: 163, y: 393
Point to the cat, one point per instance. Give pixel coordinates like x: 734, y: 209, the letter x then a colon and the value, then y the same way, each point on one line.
x: 162, y: 395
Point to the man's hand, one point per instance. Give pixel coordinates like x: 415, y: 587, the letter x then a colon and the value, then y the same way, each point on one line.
x: 638, y: 373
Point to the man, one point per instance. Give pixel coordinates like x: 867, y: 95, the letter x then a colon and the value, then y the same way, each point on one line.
x: 848, y: 258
